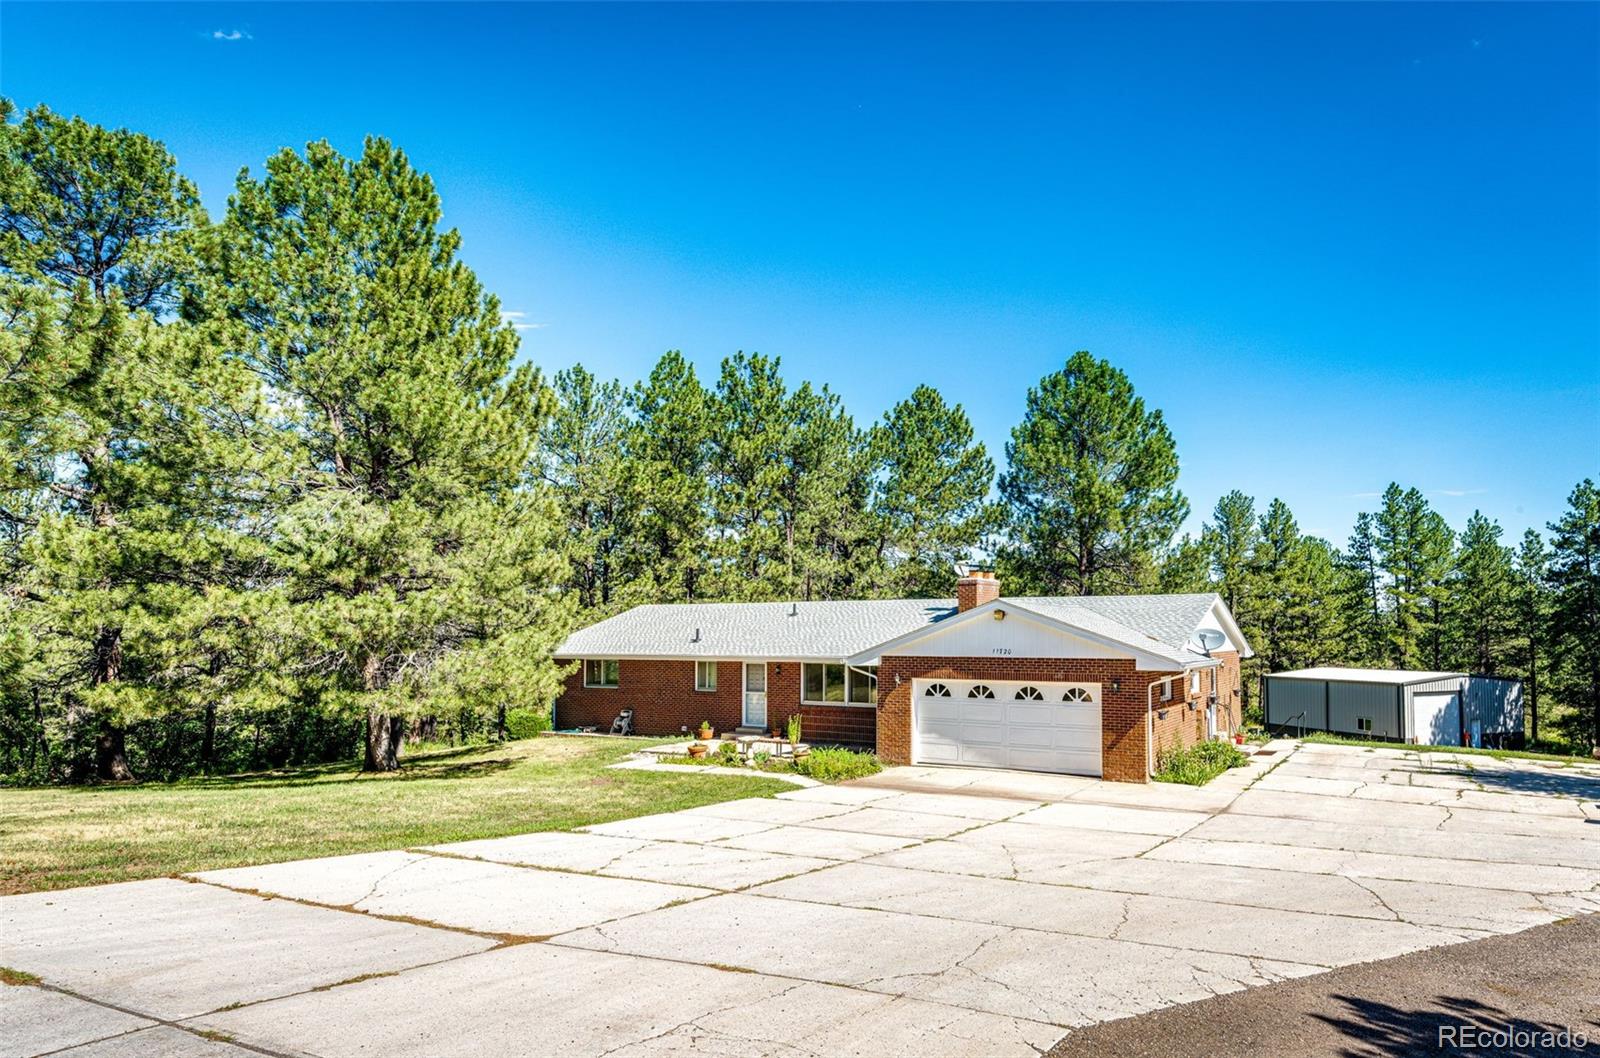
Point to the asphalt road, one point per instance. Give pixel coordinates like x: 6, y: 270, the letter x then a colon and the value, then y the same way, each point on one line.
x: 1543, y: 980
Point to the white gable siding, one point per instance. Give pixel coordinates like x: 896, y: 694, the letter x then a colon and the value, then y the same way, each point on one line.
x: 1016, y: 636
x: 1212, y: 622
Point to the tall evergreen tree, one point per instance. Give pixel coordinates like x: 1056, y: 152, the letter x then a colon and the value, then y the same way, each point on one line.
x: 1362, y: 602
x: 931, y: 499
x: 1531, y: 595
x: 116, y: 428
x: 417, y: 556
x: 1415, y: 551
x: 1232, y: 538
x: 1186, y: 567
x: 667, y: 449
x: 1574, y: 577
x: 1483, y: 602
x: 750, y: 440
x: 1091, y: 485
x: 581, y: 445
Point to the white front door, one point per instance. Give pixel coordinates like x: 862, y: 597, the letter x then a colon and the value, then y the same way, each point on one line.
x: 1007, y: 724
x: 755, y: 694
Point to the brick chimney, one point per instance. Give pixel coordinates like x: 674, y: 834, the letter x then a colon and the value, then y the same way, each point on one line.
x: 975, y: 589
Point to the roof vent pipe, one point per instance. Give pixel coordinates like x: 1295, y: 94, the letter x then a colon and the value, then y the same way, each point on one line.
x: 696, y: 638
x: 794, y: 609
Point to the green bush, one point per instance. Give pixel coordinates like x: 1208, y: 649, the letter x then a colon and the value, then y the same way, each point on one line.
x: 837, y: 765
x: 1198, y: 764
x: 727, y: 755
x: 526, y: 723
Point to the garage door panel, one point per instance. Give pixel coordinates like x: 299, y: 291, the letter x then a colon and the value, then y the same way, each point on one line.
x: 1047, y: 734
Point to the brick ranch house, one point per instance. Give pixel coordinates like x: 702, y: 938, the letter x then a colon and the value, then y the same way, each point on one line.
x: 1087, y: 685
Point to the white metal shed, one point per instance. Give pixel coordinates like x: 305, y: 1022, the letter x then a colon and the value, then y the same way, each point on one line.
x: 1427, y: 708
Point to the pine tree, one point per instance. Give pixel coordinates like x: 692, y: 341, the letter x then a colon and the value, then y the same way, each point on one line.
x: 931, y: 500
x: 749, y: 446
x: 1231, y: 538
x: 1482, y: 611
x: 1414, y: 548
x: 581, y: 445
x: 667, y: 450
x: 1091, y: 485
x: 1574, y: 578
x: 1362, y: 602
x: 1531, y: 603
x: 1186, y: 567
x: 121, y: 425
x: 416, y: 554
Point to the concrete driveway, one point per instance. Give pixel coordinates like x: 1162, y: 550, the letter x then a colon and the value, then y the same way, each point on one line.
x: 926, y: 911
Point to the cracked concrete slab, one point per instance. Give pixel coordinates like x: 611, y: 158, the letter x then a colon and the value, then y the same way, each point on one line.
x: 960, y: 805
x: 823, y: 1021
x: 174, y: 949
x: 1073, y: 981
x: 677, y: 863
x: 36, y: 1020
x: 1476, y: 874
x: 773, y: 810
x: 837, y: 795
x: 468, y: 894
x: 821, y: 844
x: 163, y: 1041
x: 970, y: 898
x: 875, y: 820
x: 691, y: 825
x: 1029, y: 852
x: 1169, y: 822
x: 1494, y: 847
x: 561, y: 849
x: 816, y: 942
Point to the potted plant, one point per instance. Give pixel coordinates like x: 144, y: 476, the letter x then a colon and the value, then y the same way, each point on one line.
x: 1238, y: 738
x: 698, y: 749
x: 793, y: 730
x: 706, y: 734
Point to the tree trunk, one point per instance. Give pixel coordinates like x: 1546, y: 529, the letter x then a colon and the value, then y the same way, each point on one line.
x: 111, y: 754
x: 384, y: 734
x: 208, y: 741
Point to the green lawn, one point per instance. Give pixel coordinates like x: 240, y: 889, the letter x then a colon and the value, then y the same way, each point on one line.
x: 59, y: 837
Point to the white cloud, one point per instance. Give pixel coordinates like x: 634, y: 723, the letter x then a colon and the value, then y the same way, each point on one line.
x: 229, y: 34
x: 516, y: 320
x: 1459, y: 492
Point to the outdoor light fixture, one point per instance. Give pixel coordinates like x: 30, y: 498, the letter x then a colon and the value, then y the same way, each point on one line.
x: 1116, y: 685
x: 999, y: 615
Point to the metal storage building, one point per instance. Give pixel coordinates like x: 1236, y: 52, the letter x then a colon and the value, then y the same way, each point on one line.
x: 1428, y: 708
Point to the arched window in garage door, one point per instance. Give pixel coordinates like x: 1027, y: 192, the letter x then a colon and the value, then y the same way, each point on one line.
x: 980, y: 690
x: 936, y: 690
x: 1029, y: 694
x: 1076, y: 694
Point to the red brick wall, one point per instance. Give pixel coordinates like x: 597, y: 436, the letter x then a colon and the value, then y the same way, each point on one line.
x: 663, y: 699
x: 1183, y: 726
x: 661, y: 695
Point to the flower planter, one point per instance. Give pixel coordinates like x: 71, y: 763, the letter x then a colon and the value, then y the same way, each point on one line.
x: 706, y: 734
x: 698, y: 750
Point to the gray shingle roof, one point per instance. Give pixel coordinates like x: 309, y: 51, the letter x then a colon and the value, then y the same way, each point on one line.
x: 1163, y: 625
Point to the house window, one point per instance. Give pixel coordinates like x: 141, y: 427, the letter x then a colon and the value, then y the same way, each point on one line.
x: 936, y: 690
x: 705, y: 675
x: 1076, y: 694
x: 1166, y: 690
x: 1194, y: 682
x: 824, y: 684
x: 980, y: 691
x: 863, y: 685
x: 1029, y: 694
x: 600, y: 672
x: 1364, y: 723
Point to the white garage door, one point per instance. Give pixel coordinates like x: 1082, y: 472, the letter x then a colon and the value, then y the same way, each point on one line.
x: 1007, y: 724
x: 1438, y: 719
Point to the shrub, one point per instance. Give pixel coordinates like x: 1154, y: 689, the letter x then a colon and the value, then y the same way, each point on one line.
x: 526, y: 723
x: 837, y: 765
x: 727, y: 755
x: 1198, y: 764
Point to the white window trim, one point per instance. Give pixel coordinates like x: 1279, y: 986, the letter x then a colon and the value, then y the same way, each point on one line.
x: 700, y: 687
x: 1194, y: 681
x: 602, y: 686
x: 850, y: 676
x: 1166, y: 690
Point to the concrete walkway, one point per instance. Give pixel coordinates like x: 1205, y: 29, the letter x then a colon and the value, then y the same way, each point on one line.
x: 925, y: 911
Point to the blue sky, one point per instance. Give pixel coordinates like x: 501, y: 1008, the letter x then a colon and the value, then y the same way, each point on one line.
x: 1337, y: 245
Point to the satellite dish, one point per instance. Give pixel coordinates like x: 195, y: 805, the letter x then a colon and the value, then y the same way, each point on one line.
x: 1210, y: 639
